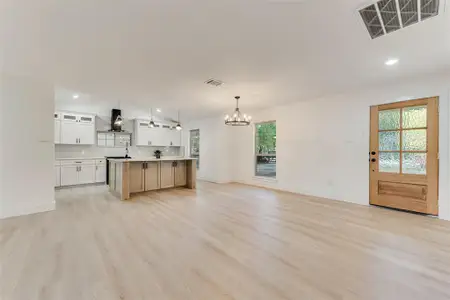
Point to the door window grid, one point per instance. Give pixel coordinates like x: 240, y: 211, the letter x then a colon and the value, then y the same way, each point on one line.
x: 402, y: 140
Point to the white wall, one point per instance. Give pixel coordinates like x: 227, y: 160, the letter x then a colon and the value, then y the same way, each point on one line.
x: 323, y: 145
x: 26, y: 170
x: 216, y: 161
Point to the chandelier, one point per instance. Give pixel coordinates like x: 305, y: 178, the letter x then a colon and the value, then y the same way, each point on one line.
x: 237, y: 118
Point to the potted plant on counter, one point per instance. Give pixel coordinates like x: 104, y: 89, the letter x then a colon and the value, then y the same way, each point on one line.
x: 157, y: 153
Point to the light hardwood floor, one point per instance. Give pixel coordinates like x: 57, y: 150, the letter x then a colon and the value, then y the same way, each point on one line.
x: 221, y: 242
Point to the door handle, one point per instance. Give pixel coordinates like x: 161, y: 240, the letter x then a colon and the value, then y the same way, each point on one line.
x: 373, y: 160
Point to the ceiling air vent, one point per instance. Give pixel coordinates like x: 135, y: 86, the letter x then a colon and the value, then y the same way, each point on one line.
x: 387, y: 16
x: 214, y: 82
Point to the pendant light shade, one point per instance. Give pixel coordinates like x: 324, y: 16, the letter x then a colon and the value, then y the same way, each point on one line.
x: 151, y: 124
x: 237, y: 118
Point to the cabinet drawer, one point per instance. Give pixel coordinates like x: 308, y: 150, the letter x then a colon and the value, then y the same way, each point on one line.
x: 78, y: 162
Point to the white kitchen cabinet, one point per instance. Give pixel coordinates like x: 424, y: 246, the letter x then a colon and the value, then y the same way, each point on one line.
x: 86, y: 134
x: 86, y: 174
x: 69, y: 175
x: 100, y: 173
x: 69, y: 132
x: 160, y: 135
x: 57, y: 176
x: 77, y: 172
x: 77, y: 129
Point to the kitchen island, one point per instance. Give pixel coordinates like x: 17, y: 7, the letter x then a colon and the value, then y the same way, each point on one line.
x: 129, y: 176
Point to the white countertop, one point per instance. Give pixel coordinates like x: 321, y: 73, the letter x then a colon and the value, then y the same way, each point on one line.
x: 81, y: 158
x: 152, y: 158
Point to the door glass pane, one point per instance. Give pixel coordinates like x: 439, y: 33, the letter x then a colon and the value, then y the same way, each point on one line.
x: 415, y: 117
x: 389, y: 119
x: 414, y: 163
x: 389, y: 141
x: 415, y: 140
x: 389, y: 162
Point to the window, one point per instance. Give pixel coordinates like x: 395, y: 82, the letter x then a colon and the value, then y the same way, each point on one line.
x: 402, y: 140
x: 194, y: 144
x: 265, y: 149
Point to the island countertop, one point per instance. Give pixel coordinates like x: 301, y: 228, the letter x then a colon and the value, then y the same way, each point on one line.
x: 151, y: 158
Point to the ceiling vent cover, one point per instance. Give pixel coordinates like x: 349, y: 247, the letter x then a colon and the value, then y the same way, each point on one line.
x: 214, y: 82
x: 387, y: 16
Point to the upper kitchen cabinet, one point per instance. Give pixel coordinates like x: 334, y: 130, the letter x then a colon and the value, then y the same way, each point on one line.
x: 160, y: 135
x: 77, y: 129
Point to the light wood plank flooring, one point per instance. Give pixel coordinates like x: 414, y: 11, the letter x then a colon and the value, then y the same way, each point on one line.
x: 221, y: 242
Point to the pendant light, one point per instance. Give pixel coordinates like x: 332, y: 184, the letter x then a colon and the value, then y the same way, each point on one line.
x: 178, y: 127
x: 119, y: 119
x: 151, y: 124
x: 236, y: 118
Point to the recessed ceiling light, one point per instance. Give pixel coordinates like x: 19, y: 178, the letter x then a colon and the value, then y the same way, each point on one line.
x: 158, y: 110
x: 391, y: 62
x: 76, y: 96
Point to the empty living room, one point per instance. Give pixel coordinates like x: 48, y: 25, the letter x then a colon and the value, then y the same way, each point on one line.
x: 212, y: 150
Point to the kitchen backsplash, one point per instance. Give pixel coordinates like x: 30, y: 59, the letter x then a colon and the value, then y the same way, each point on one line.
x: 69, y: 151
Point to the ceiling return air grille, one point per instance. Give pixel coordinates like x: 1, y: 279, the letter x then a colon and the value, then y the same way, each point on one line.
x: 387, y: 16
x: 214, y: 82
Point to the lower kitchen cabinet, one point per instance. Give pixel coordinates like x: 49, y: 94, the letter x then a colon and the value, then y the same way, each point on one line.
x: 57, y: 176
x: 79, y: 173
x: 151, y: 179
x: 180, y: 173
x: 69, y: 175
x: 167, y: 177
x: 144, y: 176
x: 86, y: 174
x: 100, y: 173
x: 136, y: 171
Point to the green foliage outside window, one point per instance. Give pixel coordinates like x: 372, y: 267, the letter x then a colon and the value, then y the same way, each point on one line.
x: 266, y: 138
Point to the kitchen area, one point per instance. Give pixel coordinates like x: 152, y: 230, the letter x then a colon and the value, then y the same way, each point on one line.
x: 86, y: 143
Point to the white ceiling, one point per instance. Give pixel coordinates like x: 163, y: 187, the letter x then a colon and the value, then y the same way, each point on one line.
x: 159, y: 53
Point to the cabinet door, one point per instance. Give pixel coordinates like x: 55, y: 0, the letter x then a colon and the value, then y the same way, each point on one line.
x: 86, y: 174
x: 57, y: 176
x: 86, y: 133
x: 154, y: 136
x: 136, y: 175
x: 175, y: 137
x: 167, y: 177
x: 69, y: 175
x: 180, y: 173
x: 69, y: 132
x: 100, y: 173
x: 141, y: 133
x: 152, y: 176
x: 57, y: 131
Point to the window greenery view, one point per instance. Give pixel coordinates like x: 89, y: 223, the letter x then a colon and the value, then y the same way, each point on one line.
x: 265, y: 149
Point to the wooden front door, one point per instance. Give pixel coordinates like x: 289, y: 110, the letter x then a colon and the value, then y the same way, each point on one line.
x: 403, y: 155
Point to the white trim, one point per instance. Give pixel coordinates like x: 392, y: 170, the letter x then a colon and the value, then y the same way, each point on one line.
x: 265, y: 179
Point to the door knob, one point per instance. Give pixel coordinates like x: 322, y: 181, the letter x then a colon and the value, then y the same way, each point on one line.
x: 373, y: 153
x: 373, y: 160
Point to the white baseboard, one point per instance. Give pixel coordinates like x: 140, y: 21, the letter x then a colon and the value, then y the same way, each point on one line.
x: 29, y: 210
